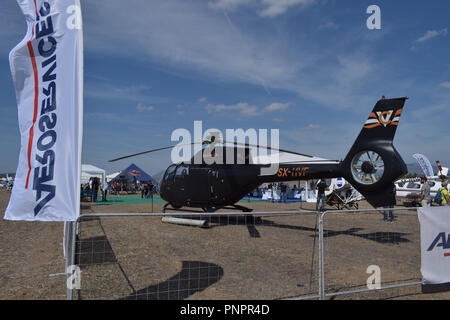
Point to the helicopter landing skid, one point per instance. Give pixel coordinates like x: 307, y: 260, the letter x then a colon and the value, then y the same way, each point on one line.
x: 207, y: 209
x: 234, y: 206
x: 172, y: 208
x: 244, y: 209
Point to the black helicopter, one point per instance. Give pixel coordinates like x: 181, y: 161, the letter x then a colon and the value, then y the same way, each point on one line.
x: 371, y: 166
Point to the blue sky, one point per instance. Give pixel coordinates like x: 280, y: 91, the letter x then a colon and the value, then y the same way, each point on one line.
x: 310, y: 68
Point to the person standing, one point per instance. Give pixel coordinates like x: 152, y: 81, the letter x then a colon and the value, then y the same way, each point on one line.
x: 95, y: 185
x: 150, y: 190
x: 105, y: 190
x: 389, y: 214
x: 145, y: 191
x: 321, y: 187
x: 283, y: 191
x: 425, y: 193
x: 271, y: 191
x: 444, y: 194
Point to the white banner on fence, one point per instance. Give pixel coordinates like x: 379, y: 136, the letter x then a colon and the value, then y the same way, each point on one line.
x: 47, y: 71
x: 435, y: 244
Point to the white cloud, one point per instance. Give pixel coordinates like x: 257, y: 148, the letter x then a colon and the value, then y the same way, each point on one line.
x: 248, y: 110
x: 209, y: 48
x: 329, y: 26
x: 244, y: 109
x: 265, y: 8
x: 228, y: 5
x: 207, y: 45
x: 278, y: 120
x: 111, y: 117
x: 312, y: 126
x: 278, y: 106
x: 103, y: 89
x: 202, y: 99
x: 445, y: 84
x: 432, y: 34
x: 141, y: 108
x: 274, y: 8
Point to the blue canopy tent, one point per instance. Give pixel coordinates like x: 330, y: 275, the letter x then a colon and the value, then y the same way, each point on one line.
x: 134, y: 173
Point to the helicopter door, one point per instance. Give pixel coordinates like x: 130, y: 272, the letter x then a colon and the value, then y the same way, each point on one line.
x: 197, y: 185
x: 219, y: 186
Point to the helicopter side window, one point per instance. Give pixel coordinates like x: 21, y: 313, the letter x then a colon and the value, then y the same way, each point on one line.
x: 182, y: 171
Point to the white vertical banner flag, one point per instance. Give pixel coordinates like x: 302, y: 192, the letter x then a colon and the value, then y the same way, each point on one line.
x: 424, y: 164
x: 435, y: 244
x: 47, y: 71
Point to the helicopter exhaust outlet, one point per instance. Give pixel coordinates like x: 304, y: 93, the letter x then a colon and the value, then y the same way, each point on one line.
x: 183, y: 221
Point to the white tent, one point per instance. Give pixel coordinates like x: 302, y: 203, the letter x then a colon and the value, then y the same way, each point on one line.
x: 88, y: 171
x: 111, y: 176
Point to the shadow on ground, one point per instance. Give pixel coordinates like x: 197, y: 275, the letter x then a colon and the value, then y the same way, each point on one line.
x: 195, y: 276
x: 252, y: 222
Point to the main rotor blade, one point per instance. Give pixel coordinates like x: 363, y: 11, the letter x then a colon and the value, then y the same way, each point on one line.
x: 268, y: 148
x: 206, y: 142
x: 153, y: 150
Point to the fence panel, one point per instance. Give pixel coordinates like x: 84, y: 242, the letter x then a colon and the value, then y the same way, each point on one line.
x: 363, y: 251
x: 234, y: 256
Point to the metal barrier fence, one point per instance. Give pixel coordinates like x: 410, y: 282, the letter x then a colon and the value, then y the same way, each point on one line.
x: 362, y: 252
x: 235, y: 255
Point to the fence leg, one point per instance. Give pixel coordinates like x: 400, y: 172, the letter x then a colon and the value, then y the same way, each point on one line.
x: 321, y: 261
x: 70, y: 234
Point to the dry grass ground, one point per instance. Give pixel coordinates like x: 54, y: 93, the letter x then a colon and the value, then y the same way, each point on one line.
x: 270, y: 257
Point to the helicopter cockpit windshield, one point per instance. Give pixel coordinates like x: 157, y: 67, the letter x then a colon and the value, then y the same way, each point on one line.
x: 176, y: 172
x: 170, y: 173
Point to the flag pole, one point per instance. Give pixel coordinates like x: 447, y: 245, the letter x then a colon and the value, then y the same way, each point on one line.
x: 72, y: 226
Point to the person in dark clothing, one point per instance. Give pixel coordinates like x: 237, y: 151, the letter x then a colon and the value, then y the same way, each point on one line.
x: 283, y: 190
x: 95, y: 186
x: 321, y: 187
x: 145, y: 191
x: 150, y: 190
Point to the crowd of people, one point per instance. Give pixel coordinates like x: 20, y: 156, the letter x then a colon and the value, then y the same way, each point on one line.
x: 284, y: 189
x: 92, y: 188
x: 118, y: 187
x: 287, y: 192
x: 147, y: 190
